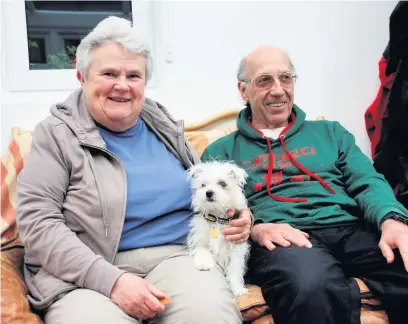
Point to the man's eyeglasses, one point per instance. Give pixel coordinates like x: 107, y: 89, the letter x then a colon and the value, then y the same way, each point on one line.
x: 265, y: 81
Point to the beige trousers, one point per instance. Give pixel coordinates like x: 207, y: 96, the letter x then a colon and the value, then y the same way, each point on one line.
x: 198, y: 297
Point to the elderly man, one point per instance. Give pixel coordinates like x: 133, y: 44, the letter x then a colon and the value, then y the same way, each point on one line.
x: 323, y: 215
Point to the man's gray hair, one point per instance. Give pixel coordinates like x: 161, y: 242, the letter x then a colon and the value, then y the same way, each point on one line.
x: 241, y: 74
x: 112, y: 30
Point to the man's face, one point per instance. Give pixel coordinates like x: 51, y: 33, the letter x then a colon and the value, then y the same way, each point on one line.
x: 271, y: 92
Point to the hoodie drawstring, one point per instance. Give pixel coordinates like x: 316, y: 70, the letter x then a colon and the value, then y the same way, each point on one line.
x: 293, y: 160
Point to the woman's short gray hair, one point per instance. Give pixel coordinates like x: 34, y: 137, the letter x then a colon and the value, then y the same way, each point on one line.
x: 112, y: 30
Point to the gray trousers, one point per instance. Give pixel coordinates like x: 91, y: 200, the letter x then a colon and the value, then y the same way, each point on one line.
x: 197, y: 296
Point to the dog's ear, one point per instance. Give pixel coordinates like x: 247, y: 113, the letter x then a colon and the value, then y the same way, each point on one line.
x: 238, y: 174
x: 195, y: 170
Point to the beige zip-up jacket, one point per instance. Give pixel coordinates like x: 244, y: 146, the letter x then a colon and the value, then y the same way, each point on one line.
x: 71, y: 199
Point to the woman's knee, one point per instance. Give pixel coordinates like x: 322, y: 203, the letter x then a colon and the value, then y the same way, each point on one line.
x: 212, y: 306
x: 86, y: 306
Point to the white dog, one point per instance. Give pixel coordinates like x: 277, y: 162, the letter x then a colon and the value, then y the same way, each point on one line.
x: 217, y: 187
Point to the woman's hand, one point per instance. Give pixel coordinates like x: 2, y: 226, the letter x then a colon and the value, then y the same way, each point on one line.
x: 136, y: 297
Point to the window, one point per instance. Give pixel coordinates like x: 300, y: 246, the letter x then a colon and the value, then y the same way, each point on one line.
x: 55, y: 28
x: 41, y: 38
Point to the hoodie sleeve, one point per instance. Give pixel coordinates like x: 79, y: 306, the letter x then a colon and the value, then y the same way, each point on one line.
x: 362, y: 182
x: 42, y: 187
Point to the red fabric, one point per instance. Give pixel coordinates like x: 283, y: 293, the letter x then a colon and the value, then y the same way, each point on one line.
x: 375, y: 111
x: 270, y: 176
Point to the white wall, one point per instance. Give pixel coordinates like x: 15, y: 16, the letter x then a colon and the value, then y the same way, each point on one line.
x: 335, y: 47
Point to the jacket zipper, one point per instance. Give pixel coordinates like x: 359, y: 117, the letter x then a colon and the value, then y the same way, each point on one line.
x: 124, y: 201
x: 182, y: 146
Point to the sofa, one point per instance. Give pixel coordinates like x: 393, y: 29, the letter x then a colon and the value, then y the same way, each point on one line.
x: 14, y: 305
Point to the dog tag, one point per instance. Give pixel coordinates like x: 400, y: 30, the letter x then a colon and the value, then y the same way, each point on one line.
x: 213, y: 232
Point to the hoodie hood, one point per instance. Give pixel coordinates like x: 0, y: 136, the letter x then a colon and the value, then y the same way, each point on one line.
x: 73, y: 111
x: 246, y: 129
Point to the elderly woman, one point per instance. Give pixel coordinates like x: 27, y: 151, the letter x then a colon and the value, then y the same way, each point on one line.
x: 103, y: 205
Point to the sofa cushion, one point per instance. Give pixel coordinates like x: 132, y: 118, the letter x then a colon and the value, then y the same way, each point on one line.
x: 12, y: 163
x: 252, y: 305
x: 15, y: 308
x: 254, y: 309
x: 201, y: 139
x: 14, y: 305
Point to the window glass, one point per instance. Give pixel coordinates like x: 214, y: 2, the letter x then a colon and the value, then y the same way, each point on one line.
x: 55, y: 28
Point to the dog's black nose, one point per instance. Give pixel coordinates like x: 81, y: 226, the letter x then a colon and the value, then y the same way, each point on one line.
x: 209, y: 193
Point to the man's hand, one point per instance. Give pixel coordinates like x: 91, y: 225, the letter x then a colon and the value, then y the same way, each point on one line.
x: 268, y: 235
x: 136, y: 297
x: 394, y: 236
x: 240, y: 228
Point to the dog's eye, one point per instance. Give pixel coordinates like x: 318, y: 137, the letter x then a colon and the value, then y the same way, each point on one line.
x: 203, y: 185
x: 222, y: 183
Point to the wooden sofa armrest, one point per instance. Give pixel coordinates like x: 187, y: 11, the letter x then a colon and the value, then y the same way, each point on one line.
x: 229, y: 115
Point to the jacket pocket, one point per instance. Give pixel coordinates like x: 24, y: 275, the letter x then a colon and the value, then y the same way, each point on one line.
x: 46, y: 288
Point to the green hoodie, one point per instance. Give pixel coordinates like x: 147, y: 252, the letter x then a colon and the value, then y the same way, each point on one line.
x: 318, y: 176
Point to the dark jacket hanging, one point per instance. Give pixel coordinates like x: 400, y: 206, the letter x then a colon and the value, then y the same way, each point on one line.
x: 391, y: 152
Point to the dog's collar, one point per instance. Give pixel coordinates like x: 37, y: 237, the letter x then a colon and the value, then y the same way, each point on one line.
x: 214, y: 219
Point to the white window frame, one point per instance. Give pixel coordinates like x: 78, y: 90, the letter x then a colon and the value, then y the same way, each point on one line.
x: 18, y: 75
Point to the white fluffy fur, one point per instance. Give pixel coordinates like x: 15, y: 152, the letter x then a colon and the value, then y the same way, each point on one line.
x: 226, y: 181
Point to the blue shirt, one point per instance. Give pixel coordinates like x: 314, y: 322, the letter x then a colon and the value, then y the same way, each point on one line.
x: 158, y: 193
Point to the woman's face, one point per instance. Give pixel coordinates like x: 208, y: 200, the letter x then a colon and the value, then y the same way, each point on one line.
x: 114, y: 86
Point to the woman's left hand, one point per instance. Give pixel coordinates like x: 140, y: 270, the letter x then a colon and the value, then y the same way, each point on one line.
x: 240, y: 228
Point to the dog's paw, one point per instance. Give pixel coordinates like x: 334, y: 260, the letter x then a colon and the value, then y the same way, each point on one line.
x: 204, y: 261
x: 239, y: 290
